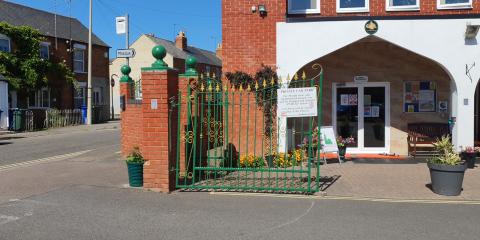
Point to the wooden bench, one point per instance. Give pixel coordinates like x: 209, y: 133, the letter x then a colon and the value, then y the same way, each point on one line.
x: 423, y: 135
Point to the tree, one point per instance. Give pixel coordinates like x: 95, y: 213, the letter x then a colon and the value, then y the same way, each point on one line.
x: 23, y: 67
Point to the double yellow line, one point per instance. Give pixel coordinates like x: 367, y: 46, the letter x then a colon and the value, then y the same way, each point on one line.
x: 365, y: 199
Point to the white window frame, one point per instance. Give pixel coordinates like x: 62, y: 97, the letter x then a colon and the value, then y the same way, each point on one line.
x: 353, y: 10
x: 415, y: 7
x: 45, y: 44
x: 83, y: 48
x: 5, y: 37
x: 304, y: 11
x: 441, y: 6
x: 39, y: 99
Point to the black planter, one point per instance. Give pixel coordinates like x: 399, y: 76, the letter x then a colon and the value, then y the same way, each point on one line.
x: 470, y: 159
x: 446, y: 179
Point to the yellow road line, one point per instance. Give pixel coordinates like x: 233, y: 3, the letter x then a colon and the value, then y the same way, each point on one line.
x: 365, y: 199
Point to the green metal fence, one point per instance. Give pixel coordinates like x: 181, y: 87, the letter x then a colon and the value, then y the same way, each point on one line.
x: 227, y: 138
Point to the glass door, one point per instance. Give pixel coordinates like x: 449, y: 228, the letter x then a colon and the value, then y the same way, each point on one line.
x: 368, y: 124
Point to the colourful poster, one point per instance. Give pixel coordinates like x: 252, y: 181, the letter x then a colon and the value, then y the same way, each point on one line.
x: 367, y: 112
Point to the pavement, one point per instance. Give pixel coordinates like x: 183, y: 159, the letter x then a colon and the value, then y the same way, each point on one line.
x: 391, y: 179
x: 81, y: 193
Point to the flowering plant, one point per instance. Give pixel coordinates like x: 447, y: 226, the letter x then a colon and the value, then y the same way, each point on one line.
x: 342, y: 142
x: 251, y: 161
x: 469, y: 149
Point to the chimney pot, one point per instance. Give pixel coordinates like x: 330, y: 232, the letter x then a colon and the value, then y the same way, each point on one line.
x: 181, y: 41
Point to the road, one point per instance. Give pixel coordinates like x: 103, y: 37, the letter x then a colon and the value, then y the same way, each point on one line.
x: 84, y: 196
x: 24, y: 147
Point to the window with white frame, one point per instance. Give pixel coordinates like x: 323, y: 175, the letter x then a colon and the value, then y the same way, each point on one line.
x: 44, y: 50
x: 79, y: 98
x: 303, y: 6
x: 4, y: 43
x: 402, y: 5
x: 79, y: 58
x: 138, y: 89
x: 40, y: 98
x: 452, y: 4
x: 352, y: 6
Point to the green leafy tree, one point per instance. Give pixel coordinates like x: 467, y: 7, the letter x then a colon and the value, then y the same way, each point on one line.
x: 23, y: 67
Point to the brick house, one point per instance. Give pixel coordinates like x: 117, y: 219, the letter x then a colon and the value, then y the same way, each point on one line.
x: 177, y: 52
x: 403, y: 61
x: 66, y: 40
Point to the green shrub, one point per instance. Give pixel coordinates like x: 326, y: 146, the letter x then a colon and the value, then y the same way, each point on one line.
x: 446, y: 154
x: 135, y: 156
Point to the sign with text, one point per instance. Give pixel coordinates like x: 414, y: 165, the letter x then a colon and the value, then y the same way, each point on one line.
x: 297, y: 102
x: 121, y: 25
x: 126, y: 53
x: 328, y: 139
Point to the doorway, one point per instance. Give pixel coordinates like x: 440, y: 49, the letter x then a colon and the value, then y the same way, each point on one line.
x: 369, y: 124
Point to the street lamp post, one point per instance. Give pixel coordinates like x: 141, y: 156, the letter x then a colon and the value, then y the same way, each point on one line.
x: 112, y: 84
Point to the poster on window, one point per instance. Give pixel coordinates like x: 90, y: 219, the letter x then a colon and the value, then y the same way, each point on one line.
x: 344, y: 99
x: 352, y: 100
x: 375, y: 111
x: 419, y: 96
x: 367, y: 111
x: 426, y: 101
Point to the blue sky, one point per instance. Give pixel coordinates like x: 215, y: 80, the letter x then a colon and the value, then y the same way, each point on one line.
x: 200, y: 19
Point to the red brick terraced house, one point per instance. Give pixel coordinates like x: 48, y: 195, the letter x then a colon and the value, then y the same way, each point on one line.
x: 401, y: 61
x: 66, y: 40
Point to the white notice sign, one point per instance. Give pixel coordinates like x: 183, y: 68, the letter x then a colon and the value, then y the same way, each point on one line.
x: 121, y: 24
x: 329, y: 141
x: 297, y: 102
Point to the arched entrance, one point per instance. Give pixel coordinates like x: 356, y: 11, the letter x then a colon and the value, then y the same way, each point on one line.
x: 373, y: 89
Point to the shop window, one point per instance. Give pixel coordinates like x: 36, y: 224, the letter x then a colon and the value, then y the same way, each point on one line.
x: 39, y: 99
x: 303, y: 6
x: 4, y: 43
x: 402, y: 5
x: 452, y: 4
x: 44, y: 51
x: 420, y: 97
x: 352, y: 6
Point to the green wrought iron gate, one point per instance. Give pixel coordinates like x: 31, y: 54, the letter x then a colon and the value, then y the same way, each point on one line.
x: 227, y: 138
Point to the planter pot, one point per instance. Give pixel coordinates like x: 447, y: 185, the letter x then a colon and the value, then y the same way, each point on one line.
x: 341, y: 152
x: 135, y: 174
x: 447, y: 180
x: 470, y: 159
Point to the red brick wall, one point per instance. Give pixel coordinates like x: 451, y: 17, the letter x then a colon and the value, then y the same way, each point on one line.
x: 131, y: 124
x: 249, y: 39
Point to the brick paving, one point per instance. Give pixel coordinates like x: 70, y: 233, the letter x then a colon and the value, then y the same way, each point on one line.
x: 399, y: 179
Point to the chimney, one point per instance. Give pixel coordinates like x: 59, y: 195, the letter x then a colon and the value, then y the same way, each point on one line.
x: 219, y: 51
x: 181, y: 41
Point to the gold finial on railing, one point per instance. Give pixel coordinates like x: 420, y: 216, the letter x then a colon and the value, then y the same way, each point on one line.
x: 304, y: 76
x: 295, y: 77
x: 256, y: 85
x: 233, y: 88
x: 210, y: 87
x: 217, y: 88
x: 225, y: 87
x: 288, y: 78
x: 214, y: 76
x: 249, y: 88
x: 202, y: 87
x: 272, y: 81
x: 264, y: 83
x: 241, y: 88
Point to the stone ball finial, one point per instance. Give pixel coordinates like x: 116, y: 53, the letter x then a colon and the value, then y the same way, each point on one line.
x: 125, y: 69
x: 159, y: 52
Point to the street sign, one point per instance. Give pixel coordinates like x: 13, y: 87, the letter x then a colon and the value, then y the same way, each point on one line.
x: 121, y: 24
x: 297, y: 102
x: 126, y: 53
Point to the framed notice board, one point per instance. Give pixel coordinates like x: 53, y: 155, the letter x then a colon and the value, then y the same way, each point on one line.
x: 420, y: 96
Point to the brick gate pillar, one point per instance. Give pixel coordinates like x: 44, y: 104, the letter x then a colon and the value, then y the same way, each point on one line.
x: 159, y: 86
